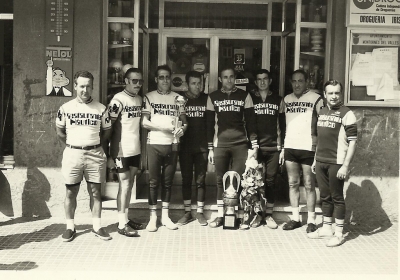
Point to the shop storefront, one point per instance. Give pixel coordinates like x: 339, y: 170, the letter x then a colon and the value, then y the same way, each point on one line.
x: 107, y: 37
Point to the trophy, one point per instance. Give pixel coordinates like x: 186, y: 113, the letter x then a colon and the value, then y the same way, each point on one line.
x: 230, y: 199
x: 179, y: 101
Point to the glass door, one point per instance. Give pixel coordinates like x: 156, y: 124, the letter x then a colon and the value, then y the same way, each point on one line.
x: 244, y: 56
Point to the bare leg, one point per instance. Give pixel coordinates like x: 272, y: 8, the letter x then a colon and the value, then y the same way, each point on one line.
x: 94, y: 190
x: 310, y: 188
x: 293, y: 171
x: 70, y: 200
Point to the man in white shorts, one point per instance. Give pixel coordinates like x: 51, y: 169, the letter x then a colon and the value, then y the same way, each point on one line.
x: 125, y: 111
x: 83, y: 124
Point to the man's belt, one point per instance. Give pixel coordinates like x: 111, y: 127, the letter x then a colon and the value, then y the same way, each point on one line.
x: 83, y: 147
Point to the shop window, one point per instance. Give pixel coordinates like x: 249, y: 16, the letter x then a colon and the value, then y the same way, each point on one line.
x: 216, y: 15
x: 6, y: 86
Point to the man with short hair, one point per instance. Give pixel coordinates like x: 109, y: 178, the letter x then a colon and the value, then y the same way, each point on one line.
x: 337, y: 138
x: 193, y: 150
x: 160, y: 112
x: 230, y: 128
x: 125, y: 111
x: 270, y: 130
x: 301, y: 111
x: 83, y: 124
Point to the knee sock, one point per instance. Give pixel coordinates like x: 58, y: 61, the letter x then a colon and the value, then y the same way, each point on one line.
x: 187, y: 204
x: 295, y: 214
x: 96, y: 224
x: 220, y: 207
x: 311, y: 218
x: 70, y: 224
x: 327, y: 223
x: 121, y: 220
x: 339, y: 227
x: 200, y: 206
x: 270, y: 208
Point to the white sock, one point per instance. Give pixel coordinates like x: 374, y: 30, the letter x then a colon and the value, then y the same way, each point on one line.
x: 327, y: 223
x: 121, y: 220
x: 165, y: 209
x: 200, y: 206
x: 96, y: 224
x: 126, y: 215
x: 311, y: 218
x: 295, y: 214
x: 187, y: 204
x: 70, y: 224
x: 339, y: 227
x: 220, y: 207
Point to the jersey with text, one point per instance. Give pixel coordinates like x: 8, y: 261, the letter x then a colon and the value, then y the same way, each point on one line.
x: 230, y: 119
x: 195, y: 137
x: 125, y: 111
x: 83, y: 122
x: 301, y: 120
x: 336, y: 127
x: 163, y: 112
x: 268, y: 113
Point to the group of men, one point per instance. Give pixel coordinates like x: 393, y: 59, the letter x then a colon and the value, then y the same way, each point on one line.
x: 224, y: 128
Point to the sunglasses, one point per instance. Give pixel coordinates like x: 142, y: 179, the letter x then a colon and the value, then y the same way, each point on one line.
x: 136, y: 81
x: 162, y: 78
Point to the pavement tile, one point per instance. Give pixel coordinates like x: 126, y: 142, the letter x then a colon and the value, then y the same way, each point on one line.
x: 35, y: 245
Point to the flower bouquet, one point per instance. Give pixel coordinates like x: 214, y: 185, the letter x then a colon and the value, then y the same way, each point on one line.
x: 252, y: 197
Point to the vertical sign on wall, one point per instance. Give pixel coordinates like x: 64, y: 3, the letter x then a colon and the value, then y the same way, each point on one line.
x: 59, y: 39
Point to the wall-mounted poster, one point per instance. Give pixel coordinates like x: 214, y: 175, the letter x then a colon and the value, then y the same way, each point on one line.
x: 59, y: 40
x: 373, y: 72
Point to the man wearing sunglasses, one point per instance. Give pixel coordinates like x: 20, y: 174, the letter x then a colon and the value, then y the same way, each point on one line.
x: 125, y: 111
x: 160, y: 112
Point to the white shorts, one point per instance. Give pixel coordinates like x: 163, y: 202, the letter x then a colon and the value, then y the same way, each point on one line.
x: 77, y: 163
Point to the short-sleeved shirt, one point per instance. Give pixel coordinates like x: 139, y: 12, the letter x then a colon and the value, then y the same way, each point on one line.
x: 163, y: 112
x: 336, y: 128
x: 125, y: 110
x: 195, y: 137
x: 83, y: 121
x: 301, y: 120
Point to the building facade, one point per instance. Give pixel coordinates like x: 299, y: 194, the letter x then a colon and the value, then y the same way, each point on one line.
x: 104, y: 36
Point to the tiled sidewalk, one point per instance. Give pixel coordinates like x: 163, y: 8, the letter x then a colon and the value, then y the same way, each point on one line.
x: 35, y: 246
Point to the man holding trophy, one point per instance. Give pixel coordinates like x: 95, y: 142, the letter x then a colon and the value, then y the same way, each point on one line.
x: 164, y: 116
x: 230, y: 126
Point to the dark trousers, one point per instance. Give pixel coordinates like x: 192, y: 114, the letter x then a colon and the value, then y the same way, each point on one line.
x: 231, y: 158
x: 161, y: 161
x: 187, y: 160
x: 271, y: 162
x: 331, y: 190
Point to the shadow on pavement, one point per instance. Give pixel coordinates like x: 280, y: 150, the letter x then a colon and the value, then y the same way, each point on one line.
x: 364, y: 212
x: 21, y: 220
x: 48, y: 233
x: 27, y: 265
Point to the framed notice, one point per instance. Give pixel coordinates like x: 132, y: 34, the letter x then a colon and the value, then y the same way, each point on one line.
x: 59, y: 43
x: 373, y: 13
x: 373, y: 67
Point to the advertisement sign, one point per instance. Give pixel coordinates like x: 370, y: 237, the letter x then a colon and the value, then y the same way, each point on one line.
x: 384, y: 13
x: 238, y: 55
x: 58, y: 42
